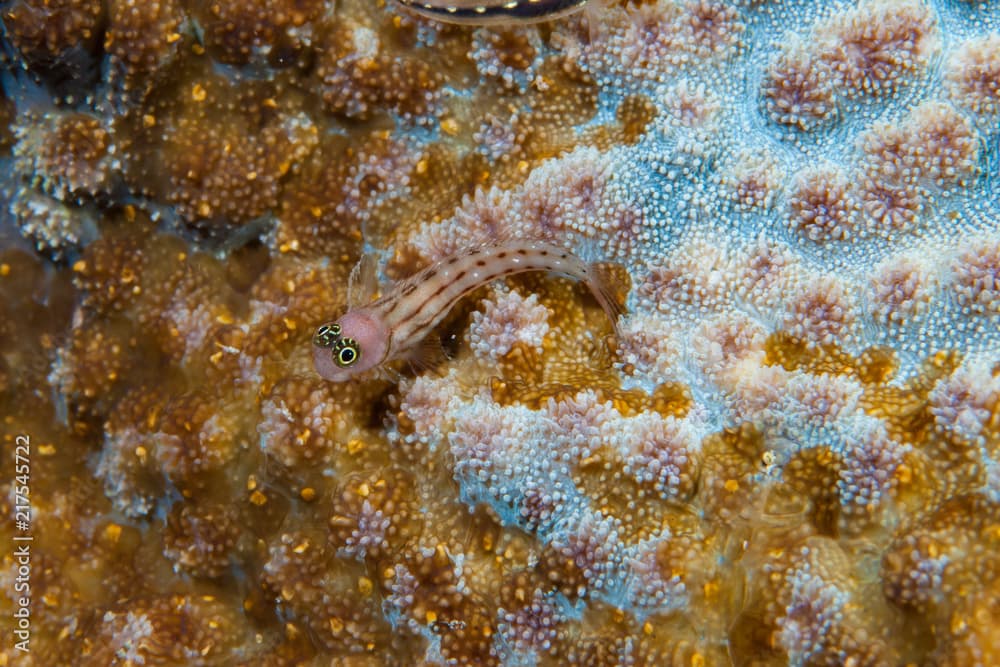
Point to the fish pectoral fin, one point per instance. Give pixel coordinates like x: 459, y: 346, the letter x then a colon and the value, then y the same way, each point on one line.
x: 428, y: 355
x: 362, y: 285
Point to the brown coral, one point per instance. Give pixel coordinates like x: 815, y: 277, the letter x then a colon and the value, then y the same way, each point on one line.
x: 358, y: 80
x: 201, y: 539
x: 952, y: 550
x: 69, y: 155
x: 333, y: 604
x: 143, y: 40
x: 168, y: 629
x: 56, y: 34
x: 192, y: 439
x: 373, y: 516
x: 216, y: 152
x: 239, y: 32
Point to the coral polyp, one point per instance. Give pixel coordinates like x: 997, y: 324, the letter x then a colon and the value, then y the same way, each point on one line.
x: 786, y: 451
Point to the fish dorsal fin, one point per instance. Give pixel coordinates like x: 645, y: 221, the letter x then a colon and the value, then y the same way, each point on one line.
x: 363, y: 282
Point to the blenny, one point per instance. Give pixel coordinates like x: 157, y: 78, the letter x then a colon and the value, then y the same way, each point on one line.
x: 484, y: 12
x: 396, y: 326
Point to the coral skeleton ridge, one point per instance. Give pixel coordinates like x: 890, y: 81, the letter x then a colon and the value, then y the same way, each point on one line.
x: 787, y: 452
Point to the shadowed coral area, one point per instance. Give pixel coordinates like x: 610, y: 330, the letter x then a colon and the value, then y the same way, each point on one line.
x: 787, y: 451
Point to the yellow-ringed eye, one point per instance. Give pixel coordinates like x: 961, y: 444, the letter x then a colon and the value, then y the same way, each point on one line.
x: 327, y: 335
x: 346, y: 353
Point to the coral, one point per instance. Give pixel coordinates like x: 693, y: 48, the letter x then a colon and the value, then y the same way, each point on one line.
x: 126, y: 464
x: 785, y: 451
x: 221, y: 175
x: 934, y: 145
x: 873, y: 48
x: 427, y: 590
x: 201, y: 539
x: 869, y: 51
x: 329, y: 604
x: 214, y: 173
x: 238, y: 33
x: 901, y: 288
x: 531, y: 623
x: 54, y: 228
x: 754, y: 179
x: 646, y: 347
x: 373, y: 516
x: 191, y: 439
x: 868, y: 478
x: 821, y: 205
x: 659, y: 452
x: 109, y: 272
x: 890, y: 207
x: 976, y: 275
x: 952, y: 549
x: 66, y: 155
x: 331, y: 195
x: 508, y: 320
x: 142, y: 41
x: 821, y: 312
x: 359, y: 79
x: 696, y: 279
x: 966, y: 403
x: 166, y: 629
x: 48, y: 36
x: 92, y: 366
x: 726, y: 344
x: 299, y: 423
x: 6, y: 132
x: 973, y: 76
x: 582, y: 558
x: 800, y: 90
x: 511, y: 57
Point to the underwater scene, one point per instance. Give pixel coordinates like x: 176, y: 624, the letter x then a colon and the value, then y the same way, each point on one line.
x: 362, y: 333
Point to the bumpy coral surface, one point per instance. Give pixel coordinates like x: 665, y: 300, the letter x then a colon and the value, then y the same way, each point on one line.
x: 786, y: 452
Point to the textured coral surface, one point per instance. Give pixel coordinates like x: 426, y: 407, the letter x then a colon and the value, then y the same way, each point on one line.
x: 787, y: 452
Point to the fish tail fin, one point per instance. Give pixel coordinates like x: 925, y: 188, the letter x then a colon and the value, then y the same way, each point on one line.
x: 610, y: 283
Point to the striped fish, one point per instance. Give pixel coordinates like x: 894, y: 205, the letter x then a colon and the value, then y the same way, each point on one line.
x: 486, y: 12
x: 373, y: 334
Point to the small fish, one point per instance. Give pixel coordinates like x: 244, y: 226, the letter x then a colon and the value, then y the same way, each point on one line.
x: 485, y: 12
x: 373, y: 333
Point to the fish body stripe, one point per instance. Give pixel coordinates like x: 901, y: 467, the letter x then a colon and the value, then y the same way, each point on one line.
x: 477, y: 12
x: 423, y: 300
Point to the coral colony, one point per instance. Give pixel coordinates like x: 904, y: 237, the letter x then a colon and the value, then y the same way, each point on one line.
x: 787, y: 453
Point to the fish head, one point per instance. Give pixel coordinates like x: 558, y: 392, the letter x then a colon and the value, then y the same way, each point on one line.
x: 350, y: 346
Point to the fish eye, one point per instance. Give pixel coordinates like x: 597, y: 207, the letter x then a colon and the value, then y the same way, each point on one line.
x: 347, y: 352
x: 327, y: 335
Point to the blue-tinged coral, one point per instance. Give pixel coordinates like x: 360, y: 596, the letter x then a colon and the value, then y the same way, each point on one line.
x: 787, y: 451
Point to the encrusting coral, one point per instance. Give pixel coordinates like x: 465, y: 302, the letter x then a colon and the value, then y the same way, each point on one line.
x: 787, y: 451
